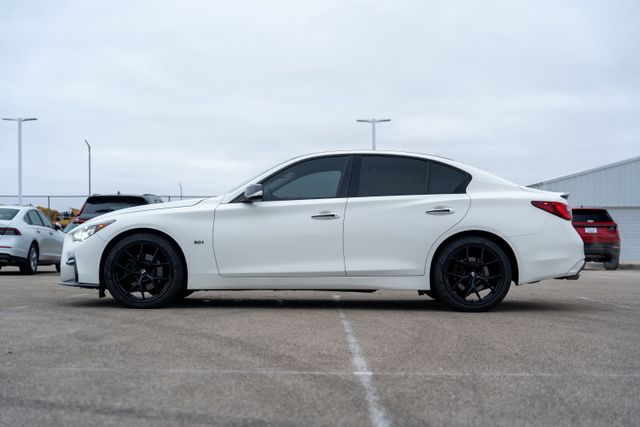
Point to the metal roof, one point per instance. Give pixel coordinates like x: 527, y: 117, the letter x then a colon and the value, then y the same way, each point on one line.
x: 587, y: 172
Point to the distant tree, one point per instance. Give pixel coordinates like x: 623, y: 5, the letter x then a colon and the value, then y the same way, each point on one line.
x: 51, y: 213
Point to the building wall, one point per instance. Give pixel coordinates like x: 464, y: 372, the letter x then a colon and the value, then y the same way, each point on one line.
x: 615, y: 187
x: 628, y: 220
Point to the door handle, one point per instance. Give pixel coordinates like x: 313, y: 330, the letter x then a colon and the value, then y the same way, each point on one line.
x: 440, y: 210
x: 325, y: 215
x: 38, y: 231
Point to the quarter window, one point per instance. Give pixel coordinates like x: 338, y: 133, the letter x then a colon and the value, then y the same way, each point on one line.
x: 310, y: 179
x: 445, y: 179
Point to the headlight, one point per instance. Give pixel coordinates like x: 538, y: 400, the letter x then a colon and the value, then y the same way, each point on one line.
x: 82, y: 233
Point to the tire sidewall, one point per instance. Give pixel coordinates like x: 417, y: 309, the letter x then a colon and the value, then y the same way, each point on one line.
x: 440, y: 287
x: 169, y: 294
x: 26, y: 267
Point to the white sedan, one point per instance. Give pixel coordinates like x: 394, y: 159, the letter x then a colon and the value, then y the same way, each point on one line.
x: 352, y: 221
x: 28, y: 239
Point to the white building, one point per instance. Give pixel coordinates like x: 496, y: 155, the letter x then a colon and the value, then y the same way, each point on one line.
x: 616, y: 187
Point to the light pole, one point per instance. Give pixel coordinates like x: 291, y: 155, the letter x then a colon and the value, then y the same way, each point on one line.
x: 373, y: 128
x: 180, y: 185
x: 20, y: 120
x: 89, y: 147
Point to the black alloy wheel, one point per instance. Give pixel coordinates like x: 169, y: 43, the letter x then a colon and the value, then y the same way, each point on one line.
x: 472, y: 274
x: 144, y: 271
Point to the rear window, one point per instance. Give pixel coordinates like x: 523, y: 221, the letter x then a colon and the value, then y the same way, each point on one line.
x: 95, y: 206
x: 591, y: 215
x: 7, y: 214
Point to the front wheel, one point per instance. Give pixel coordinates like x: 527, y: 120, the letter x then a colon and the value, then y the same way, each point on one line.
x: 144, y: 271
x: 472, y: 274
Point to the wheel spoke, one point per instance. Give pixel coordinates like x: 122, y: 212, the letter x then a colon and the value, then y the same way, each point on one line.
x: 143, y: 270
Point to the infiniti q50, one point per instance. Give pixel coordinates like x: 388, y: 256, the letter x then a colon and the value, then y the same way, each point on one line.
x: 353, y: 221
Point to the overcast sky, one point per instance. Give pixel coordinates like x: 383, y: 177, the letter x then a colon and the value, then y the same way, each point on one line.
x: 208, y: 93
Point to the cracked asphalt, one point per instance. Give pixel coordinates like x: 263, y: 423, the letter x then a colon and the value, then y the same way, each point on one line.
x: 553, y: 353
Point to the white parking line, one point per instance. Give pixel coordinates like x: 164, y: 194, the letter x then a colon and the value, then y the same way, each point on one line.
x: 377, y: 414
x: 605, y: 302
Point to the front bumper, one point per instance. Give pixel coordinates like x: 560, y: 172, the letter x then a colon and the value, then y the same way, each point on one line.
x: 71, y: 261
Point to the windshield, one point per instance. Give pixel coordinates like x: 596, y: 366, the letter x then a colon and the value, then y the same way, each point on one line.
x: 7, y: 214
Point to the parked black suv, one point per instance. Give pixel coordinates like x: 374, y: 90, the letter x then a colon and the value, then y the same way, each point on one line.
x: 99, y: 204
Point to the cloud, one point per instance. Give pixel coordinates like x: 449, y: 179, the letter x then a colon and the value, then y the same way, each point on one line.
x: 208, y: 93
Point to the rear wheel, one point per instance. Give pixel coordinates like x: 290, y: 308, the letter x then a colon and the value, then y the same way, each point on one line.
x: 30, y: 265
x: 612, y: 264
x: 58, y: 267
x: 472, y: 274
x: 144, y: 271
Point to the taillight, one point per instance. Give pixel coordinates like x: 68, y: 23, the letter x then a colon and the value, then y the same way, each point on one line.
x: 613, y: 227
x: 556, y: 208
x: 10, y: 232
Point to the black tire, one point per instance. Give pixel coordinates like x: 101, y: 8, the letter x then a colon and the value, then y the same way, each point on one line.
x: 30, y: 265
x: 58, y: 267
x: 472, y: 274
x: 612, y: 264
x: 144, y: 271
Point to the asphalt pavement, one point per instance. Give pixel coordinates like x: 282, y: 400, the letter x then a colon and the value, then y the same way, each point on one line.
x: 553, y: 353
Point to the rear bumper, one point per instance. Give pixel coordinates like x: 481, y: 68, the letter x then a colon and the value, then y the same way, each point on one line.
x: 574, y: 273
x: 9, y: 259
x: 601, y: 251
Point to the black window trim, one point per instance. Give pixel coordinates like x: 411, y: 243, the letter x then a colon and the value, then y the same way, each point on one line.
x: 355, y: 175
x: 343, y: 186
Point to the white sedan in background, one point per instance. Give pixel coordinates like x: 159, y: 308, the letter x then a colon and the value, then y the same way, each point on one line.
x: 28, y: 239
x: 353, y: 221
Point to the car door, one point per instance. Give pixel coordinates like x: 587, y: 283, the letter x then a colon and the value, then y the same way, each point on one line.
x: 53, y: 238
x: 294, y: 231
x: 398, y: 207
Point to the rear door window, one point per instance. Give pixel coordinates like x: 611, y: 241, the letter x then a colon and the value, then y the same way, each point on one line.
x: 33, y: 219
x: 391, y: 176
x: 45, y: 221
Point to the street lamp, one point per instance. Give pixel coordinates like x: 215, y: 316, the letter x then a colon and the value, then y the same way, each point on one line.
x: 89, y: 147
x: 373, y: 128
x: 180, y: 190
x: 20, y: 120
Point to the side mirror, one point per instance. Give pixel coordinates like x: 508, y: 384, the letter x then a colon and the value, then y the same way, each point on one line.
x: 57, y: 226
x: 253, y: 192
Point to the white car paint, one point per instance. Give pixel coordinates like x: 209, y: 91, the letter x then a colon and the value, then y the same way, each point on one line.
x: 371, y: 243
x: 14, y: 248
